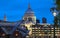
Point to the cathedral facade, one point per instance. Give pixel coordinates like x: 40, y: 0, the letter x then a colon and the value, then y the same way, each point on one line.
x: 18, y: 29
x: 29, y: 18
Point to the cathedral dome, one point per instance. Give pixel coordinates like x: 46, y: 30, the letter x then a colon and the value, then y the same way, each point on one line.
x: 29, y: 11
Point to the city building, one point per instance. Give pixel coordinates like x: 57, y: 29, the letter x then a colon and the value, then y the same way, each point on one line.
x: 18, y: 29
x: 29, y: 18
x: 12, y: 30
x: 44, y: 31
x: 28, y: 27
x: 38, y: 30
x: 44, y: 20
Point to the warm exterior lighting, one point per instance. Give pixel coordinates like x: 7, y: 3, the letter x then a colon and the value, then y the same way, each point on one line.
x: 56, y: 34
x: 52, y: 32
x: 52, y: 28
x: 16, y: 34
x: 35, y: 27
x: 40, y: 34
x: 3, y: 34
x: 27, y: 36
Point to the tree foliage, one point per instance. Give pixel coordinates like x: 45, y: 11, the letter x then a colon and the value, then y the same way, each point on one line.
x: 58, y: 4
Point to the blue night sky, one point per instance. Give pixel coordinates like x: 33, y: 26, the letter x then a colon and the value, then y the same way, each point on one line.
x: 15, y: 9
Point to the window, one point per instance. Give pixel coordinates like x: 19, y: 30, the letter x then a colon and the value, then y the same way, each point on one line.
x: 25, y: 18
x: 29, y: 19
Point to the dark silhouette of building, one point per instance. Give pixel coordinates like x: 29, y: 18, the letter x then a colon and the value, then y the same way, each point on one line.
x: 44, y: 20
x: 37, y: 21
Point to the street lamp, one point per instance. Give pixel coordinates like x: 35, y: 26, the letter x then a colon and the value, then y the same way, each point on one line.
x: 54, y: 22
x: 53, y: 10
x: 54, y: 13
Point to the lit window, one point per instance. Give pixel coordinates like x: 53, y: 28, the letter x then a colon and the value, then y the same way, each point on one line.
x: 32, y: 28
x: 27, y: 36
x: 35, y: 27
x: 36, y: 30
x: 40, y: 34
x: 56, y: 28
x: 56, y: 34
x: 39, y: 30
x: 52, y: 28
x: 52, y: 32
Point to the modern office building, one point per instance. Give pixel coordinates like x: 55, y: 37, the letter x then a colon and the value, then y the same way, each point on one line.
x: 44, y: 31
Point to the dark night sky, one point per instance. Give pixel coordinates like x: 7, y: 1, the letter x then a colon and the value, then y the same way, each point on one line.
x: 15, y: 9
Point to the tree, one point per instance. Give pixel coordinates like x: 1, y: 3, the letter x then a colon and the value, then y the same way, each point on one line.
x: 58, y: 8
x: 58, y: 4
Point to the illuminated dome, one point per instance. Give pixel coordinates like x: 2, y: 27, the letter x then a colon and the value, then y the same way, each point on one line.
x: 29, y: 11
